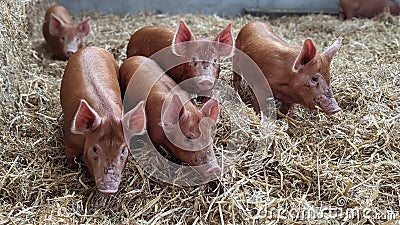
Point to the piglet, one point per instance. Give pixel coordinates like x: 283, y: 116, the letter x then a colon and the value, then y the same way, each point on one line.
x: 179, y: 126
x: 366, y: 8
x: 94, y: 124
x: 184, y: 56
x: 296, y: 75
x: 62, y: 36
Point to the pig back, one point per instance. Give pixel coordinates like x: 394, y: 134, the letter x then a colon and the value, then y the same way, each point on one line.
x: 269, y: 52
x: 91, y: 74
x: 139, y: 75
x: 148, y: 40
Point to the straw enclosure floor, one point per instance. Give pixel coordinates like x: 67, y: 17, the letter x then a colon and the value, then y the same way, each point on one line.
x: 313, y: 169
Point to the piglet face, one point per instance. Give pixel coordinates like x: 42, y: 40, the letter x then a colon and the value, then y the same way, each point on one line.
x: 69, y: 36
x: 190, y: 132
x: 106, y: 150
x: 314, y: 91
x: 202, y: 56
x: 311, y: 83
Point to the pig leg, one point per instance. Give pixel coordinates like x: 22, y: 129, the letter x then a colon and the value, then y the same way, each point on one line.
x: 70, y: 149
x: 255, y: 104
x: 287, y: 108
x: 70, y: 154
x: 236, y: 78
x: 341, y: 14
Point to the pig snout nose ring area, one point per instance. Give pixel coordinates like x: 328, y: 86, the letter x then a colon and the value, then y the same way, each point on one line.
x: 206, y: 83
x: 70, y: 53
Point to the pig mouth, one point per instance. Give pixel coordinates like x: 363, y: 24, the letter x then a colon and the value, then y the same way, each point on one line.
x: 108, y: 185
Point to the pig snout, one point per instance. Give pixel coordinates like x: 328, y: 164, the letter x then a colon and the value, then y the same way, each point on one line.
x: 210, y: 170
x: 69, y: 53
x: 70, y: 49
x: 205, y: 83
x: 213, y: 171
x: 332, y: 107
x: 328, y: 103
x: 108, y: 184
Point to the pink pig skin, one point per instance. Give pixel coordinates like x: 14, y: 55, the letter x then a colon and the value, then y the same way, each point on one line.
x: 62, y: 36
x: 94, y: 123
x: 366, y: 8
x: 201, y: 57
x: 296, y: 75
x: 149, y: 82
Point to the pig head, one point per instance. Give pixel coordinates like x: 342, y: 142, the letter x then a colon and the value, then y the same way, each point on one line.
x: 201, y: 57
x: 105, y: 149
x: 184, y: 57
x: 189, y: 134
x: 296, y: 75
x: 62, y: 36
x: 366, y: 8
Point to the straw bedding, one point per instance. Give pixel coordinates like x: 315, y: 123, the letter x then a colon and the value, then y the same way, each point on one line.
x: 314, y: 169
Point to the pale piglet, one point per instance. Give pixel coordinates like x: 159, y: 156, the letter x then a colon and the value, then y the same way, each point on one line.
x: 94, y: 124
x: 63, y: 37
x: 296, y: 75
x: 182, y: 55
x: 366, y: 8
x: 179, y: 126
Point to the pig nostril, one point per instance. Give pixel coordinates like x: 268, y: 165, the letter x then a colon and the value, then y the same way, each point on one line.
x: 70, y: 53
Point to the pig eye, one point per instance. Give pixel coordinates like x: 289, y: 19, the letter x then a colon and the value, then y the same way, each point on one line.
x: 215, y: 61
x: 124, y: 152
x: 78, y: 39
x: 62, y: 38
x: 314, y: 79
x: 94, y: 149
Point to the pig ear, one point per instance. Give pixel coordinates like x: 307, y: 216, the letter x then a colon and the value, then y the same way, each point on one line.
x: 84, y: 27
x: 226, y: 38
x: 211, y: 109
x: 134, y: 121
x: 86, y: 118
x: 306, y: 55
x: 56, y: 24
x: 183, y: 34
x: 174, y: 112
x: 331, y: 51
